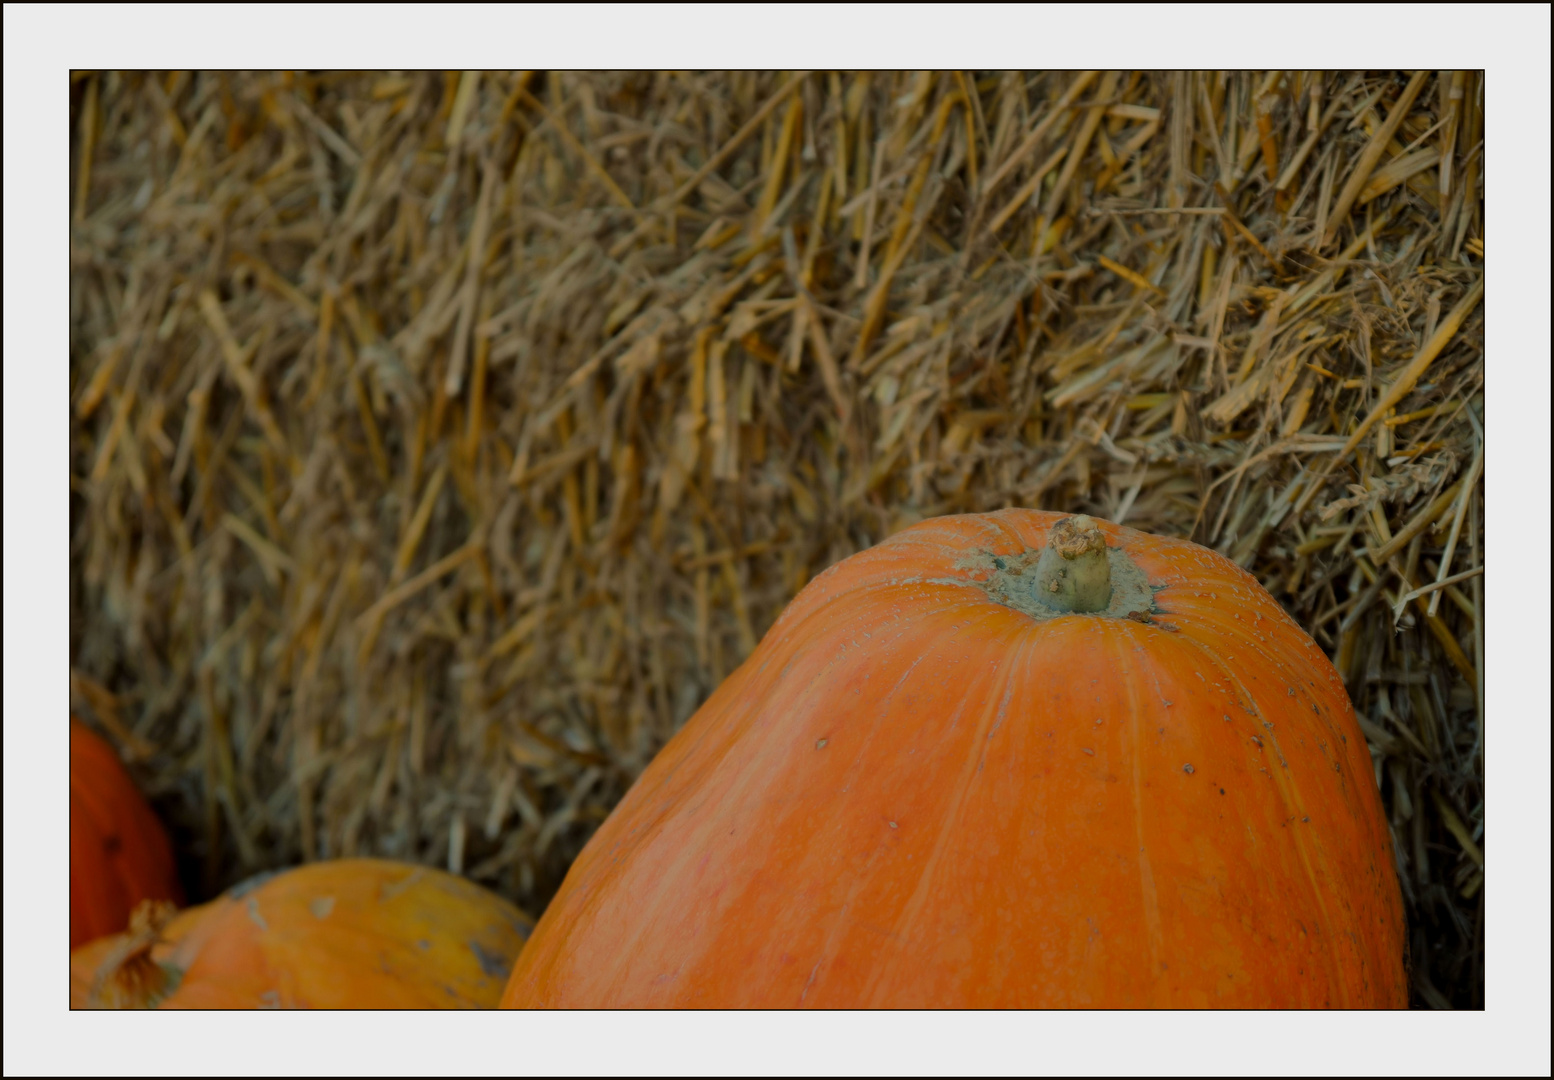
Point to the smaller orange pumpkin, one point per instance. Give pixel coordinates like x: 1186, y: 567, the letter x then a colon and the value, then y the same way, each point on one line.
x: 119, y: 854
x: 344, y: 934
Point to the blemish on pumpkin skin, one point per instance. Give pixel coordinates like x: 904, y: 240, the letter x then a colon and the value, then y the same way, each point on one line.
x: 491, y: 963
x: 388, y: 892
x: 248, y: 885
x: 812, y: 973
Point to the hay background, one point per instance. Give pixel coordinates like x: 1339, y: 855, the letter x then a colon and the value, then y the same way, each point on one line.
x: 440, y: 440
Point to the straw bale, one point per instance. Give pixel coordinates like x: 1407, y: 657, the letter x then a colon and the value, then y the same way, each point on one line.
x: 439, y: 441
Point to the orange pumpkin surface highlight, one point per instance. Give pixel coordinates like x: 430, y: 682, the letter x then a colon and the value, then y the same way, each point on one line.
x: 925, y: 788
x: 119, y: 854
x: 349, y: 933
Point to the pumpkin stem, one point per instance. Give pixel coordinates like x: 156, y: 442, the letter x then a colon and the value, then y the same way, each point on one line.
x: 1073, y: 573
x: 128, y: 978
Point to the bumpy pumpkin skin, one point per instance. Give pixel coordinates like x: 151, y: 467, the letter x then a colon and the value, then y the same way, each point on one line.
x: 343, y: 934
x: 119, y: 853
x: 911, y: 795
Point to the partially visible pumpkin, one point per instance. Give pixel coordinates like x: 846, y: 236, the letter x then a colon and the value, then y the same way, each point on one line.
x: 999, y: 760
x: 344, y: 934
x: 119, y: 854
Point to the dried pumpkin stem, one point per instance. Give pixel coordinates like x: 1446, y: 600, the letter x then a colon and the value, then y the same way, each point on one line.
x: 128, y: 977
x: 1073, y: 573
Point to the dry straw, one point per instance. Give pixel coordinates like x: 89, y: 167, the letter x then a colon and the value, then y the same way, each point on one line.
x: 439, y: 441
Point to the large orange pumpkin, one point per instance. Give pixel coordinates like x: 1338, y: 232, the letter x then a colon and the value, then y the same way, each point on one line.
x: 350, y: 933
x: 119, y: 854
x: 967, y: 768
